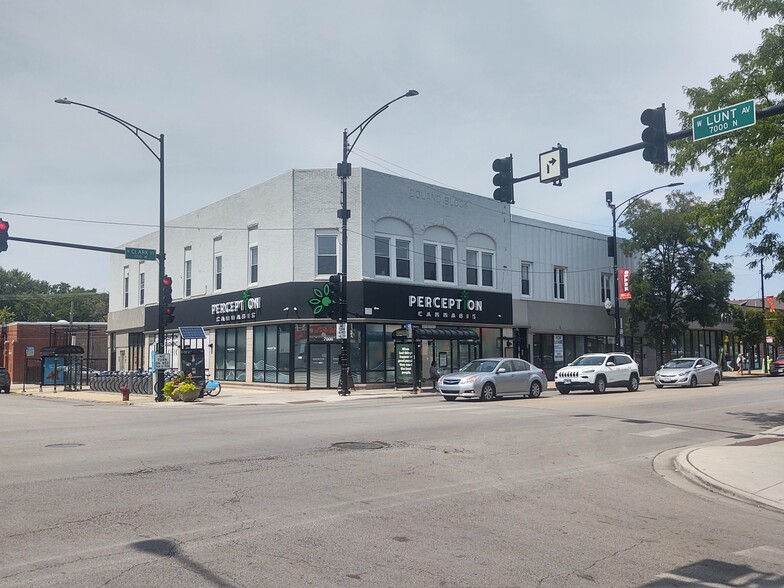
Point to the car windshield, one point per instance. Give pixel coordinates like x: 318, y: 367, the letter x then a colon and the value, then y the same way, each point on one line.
x: 589, y: 360
x: 479, y: 366
x: 679, y: 363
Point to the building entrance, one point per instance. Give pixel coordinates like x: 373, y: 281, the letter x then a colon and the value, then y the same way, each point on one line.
x: 324, y: 370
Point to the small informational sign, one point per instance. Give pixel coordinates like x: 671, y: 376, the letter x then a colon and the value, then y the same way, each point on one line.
x: 404, y: 363
x: 162, y: 361
x: 341, y: 332
x: 30, y: 351
x: 558, y: 352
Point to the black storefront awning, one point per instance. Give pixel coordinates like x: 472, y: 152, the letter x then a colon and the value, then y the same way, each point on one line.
x: 421, y: 334
x: 62, y: 350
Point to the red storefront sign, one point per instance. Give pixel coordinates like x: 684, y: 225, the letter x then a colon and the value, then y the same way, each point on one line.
x: 624, y: 288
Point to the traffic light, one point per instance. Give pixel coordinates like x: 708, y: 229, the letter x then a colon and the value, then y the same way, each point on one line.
x: 168, y: 313
x: 655, y: 136
x: 4, y: 235
x: 334, y: 296
x: 504, y: 180
x: 166, y: 290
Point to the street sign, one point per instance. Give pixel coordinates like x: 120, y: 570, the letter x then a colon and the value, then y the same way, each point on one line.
x: 162, y: 361
x: 553, y: 166
x: 342, y: 331
x: 724, y: 120
x: 143, y: 254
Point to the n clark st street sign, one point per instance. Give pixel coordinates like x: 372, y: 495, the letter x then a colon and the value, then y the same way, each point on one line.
x: 724, y: 120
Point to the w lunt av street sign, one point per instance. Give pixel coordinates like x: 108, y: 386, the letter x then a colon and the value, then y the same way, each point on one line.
x: 724, y: 120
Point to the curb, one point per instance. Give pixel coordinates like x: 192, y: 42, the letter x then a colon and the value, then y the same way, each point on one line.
x: 684, y: 466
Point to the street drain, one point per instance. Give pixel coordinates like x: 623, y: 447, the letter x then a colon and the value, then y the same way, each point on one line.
x: 359, y: 445
x: 61, y: 445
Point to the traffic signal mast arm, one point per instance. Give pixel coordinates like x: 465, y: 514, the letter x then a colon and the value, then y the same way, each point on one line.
x: 774, y: 110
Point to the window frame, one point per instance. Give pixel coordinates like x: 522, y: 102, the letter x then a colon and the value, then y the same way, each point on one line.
x: 559, y: 282
x: 438, y: 262
x: 606, y: 287
x: 526, y: 272
x: 333, y: 237
x: 479, y: 269
x: 141, y: 285
x: 398, y: 244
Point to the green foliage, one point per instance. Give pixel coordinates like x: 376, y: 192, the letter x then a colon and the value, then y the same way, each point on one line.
x: 746, y: 166
x: 677, y: 282
x: 27, y: 299
x: 749, y: 325
x: 775, y: 324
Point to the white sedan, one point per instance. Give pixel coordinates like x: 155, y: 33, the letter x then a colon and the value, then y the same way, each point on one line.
x: 688, y: 371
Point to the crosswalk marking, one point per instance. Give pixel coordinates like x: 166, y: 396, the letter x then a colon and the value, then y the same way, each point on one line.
x: 765, y: 553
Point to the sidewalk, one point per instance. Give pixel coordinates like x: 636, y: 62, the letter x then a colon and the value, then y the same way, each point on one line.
x: 751, y: 470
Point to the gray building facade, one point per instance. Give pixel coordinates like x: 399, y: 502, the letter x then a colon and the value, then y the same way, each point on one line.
x: 434, y: 274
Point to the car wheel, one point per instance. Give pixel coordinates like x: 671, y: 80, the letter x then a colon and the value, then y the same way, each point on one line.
x: 659, y: 386
x: 716, y: 379
x: 564, y: 390
x: 449, y: 397
x: 488, y: 392
x: 600, y: 386
x: 693, y: 382
x: 634, y: 383
x: 536, y: 390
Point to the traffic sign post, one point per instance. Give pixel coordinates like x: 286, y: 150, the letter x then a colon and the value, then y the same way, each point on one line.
x: 143, y: 254
x: 724, y: 120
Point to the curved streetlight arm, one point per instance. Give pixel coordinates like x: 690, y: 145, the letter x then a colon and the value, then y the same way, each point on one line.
x: 631, y: 200
x: 131, y: 127
x: 347, y: 148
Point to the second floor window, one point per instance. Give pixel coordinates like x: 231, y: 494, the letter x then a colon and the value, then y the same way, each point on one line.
x: 525, y: 278
x: 126, y: 286
x: 326, y: 254
x: 218, y: 272
x: 439, y: 262
x: 188, y: 271
x: 253, y: 260
x: 606, y: 283
x: 473, y: 267
x: 559, y: 283
x: 141, y: 289
x: 402, y: 248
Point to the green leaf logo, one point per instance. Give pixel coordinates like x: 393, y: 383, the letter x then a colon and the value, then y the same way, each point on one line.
x: 322, y: 299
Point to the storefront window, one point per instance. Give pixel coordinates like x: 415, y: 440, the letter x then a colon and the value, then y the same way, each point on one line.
x: 300, y: 354
x: 376, y: 354
x: 230, y: 354
x: 272, y: 354
x: 491, y: 342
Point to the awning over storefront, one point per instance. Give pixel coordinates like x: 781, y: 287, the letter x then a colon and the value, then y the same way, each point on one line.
x: 421, y: 334
x: 62, y: 350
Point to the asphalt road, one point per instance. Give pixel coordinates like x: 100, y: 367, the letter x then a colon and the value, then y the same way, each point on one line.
x: 552, y: 492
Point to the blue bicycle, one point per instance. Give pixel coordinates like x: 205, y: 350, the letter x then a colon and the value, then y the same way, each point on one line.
x: 211, y: 387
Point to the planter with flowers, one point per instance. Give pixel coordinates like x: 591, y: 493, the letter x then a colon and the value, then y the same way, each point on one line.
x: 181, y: 388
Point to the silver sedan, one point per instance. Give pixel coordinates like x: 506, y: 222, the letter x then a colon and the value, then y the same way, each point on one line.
x: 688, y: 371
x: 493, y: 377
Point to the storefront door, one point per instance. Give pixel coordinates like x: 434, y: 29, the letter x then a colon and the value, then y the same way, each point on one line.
x: 324, y: 365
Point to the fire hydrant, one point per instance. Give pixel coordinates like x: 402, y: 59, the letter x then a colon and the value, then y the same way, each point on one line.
x: 125, y: 392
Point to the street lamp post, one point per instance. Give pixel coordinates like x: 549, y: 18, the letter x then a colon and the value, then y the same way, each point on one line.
x: 615, y: 216
x: 344, y: 172
x: 141, y: 134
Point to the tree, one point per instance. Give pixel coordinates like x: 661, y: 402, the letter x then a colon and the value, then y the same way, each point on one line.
x: 677, y: 282
x: 28, y: 299
x: 749, y: 326
x: 746, y: 166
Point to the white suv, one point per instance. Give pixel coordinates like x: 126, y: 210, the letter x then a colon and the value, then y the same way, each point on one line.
x: 597, y: 372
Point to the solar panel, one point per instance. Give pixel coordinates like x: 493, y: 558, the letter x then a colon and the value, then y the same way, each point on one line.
x: 192, y: 333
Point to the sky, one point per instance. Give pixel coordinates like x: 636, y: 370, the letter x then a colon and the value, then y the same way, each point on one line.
x: 244, y: 90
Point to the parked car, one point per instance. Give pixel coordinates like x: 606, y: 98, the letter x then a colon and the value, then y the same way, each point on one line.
x: 688, y: 371
x: 5, y: 380
x: 776, y: 367
x: 597, y: 372
x: 493, y: 377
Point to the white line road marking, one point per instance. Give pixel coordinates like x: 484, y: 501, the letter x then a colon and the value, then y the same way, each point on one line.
x: 660, y: 432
